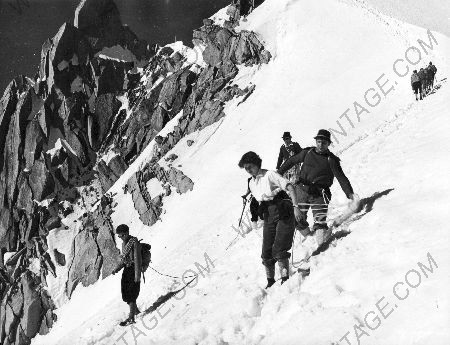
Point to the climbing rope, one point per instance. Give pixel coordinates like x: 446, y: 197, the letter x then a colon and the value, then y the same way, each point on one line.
x: 237, y: 236
x: 174, y: 277
x: 325, y: 207
x: 292, y: 256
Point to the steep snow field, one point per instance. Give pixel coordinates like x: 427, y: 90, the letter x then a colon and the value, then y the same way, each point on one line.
x: 326, y: 56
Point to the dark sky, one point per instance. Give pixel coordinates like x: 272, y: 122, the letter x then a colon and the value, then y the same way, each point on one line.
x: 25, y: 24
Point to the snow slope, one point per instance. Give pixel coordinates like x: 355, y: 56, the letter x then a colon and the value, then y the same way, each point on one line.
x: 326, y: 55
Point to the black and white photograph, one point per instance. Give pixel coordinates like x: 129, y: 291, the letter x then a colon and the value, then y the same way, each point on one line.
x: 224, y: 172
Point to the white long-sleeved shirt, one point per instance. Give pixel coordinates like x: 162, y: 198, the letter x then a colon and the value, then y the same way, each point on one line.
x: 267, y: 184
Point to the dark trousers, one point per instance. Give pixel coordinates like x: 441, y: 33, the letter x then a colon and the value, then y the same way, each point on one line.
x: 432, y: 81
x: 318, y: 206
x: 417, y: 87
x: 130, y: 288
x: 277, y: 235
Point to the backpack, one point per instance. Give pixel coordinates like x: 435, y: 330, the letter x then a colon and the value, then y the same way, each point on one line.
x: 146, y: 255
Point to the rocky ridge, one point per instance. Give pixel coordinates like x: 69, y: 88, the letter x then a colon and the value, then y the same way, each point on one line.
x: 57, y: 128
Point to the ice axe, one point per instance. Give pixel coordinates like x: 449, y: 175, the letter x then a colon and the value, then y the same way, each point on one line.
x: 244, y: 201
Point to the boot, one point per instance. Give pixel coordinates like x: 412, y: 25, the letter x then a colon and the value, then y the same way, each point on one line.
x: 127, y: 322
x: 134, y: 310
x: 131, y: 314
x: 270, y: 282
x: 270, y: 274
x: 304, y: 272
x: 323, y: 235
x: 283, y: 264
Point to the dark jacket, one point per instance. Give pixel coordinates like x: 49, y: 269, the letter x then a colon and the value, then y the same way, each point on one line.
x: 432, y: 70
x: 318, y: 169
x: 422, y: 75
x: 284, y: 154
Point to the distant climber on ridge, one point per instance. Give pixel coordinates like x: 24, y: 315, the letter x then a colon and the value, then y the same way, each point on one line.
x: 131, y: 277
x: 423, y: 80
x: 317, y: 173
x: 431, y: 74
x: 416, y: 85
x: 425, y: 83
x: 288, y: 149
x: 270, y: 202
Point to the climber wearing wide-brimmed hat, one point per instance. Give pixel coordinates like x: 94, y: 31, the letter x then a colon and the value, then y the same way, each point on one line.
x: 319, y: 168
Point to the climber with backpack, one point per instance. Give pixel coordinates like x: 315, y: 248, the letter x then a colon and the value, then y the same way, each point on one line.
x: 432, y: 73
x: 270, y: 202
x: 134, y: 260
x: 416, y: 85
x: 423, y: 81
x: 319, y: 168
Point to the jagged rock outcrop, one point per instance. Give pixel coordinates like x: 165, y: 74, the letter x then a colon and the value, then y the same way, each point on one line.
x: 57, y: 129
x: 18, y: 183
x: 224, y: 44
x: 108, y: 173
x: 202, y: 99
x: 96, y: 18
x: 154, y: 109
x: 62, y: 57
x: 26, y: 308
x: 53, y: 127
x: 99, y: 21
x: 106, y: 107
x: 51, y: 130
x: 149, y: 206
x: 94, y: 250
x: 171, y: 157
x: 175, y: 178
x: 200, y: 96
